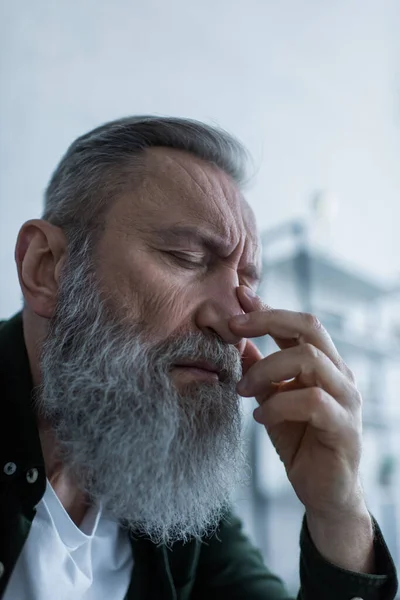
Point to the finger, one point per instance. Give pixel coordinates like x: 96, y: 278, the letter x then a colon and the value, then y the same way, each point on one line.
x: 308, y: 365
x: 287, y: 328
x: 309, y: 405
x: 277, y: 388
x: 249, y: 300
x: 251, y: 355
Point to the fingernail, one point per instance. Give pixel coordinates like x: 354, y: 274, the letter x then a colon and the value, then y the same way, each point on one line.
x: 257, y: 414
x: 249, y: 293
x: 241, y: 319
x: 241, y: 386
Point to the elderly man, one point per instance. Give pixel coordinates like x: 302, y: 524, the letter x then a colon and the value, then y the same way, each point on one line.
x: 120, y: 387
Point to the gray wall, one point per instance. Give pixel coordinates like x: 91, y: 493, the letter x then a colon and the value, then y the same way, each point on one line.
x: 311, y: 87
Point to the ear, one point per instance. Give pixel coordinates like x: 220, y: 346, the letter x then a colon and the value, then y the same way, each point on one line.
x: 39, y: 254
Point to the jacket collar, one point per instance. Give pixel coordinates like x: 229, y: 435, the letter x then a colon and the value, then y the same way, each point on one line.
x: 19, y: 436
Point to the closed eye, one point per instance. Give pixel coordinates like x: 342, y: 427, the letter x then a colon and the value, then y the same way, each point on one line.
x: 194, y: 260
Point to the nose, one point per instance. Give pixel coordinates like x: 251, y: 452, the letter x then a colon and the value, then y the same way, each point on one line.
x: 214, y: 311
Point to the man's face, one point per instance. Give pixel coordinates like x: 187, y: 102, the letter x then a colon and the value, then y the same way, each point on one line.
x: 175, y: 250
x: 139, y: 368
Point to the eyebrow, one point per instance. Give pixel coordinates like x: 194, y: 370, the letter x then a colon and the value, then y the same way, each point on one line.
x: 211, y: 241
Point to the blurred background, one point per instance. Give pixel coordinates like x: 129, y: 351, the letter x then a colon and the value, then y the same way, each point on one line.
x: 312, y: 89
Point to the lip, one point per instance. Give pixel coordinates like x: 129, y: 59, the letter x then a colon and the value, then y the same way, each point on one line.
x: 201, y: 371
x: 199, y: 364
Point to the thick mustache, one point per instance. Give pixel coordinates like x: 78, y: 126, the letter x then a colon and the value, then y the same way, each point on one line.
x: 224, y: 361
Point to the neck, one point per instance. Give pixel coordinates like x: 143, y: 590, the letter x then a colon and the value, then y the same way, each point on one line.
x: 71, y: 497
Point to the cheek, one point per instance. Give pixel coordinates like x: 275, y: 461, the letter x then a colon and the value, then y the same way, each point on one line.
x: 155, y: 299
x: 165, y: 309
x: 143, y: 290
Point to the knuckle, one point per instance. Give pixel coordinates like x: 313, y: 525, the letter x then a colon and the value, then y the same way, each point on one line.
x: 349, y: 374
x: 318, y: 396
x: 265, y: 307
x: 312, y: 321
x: 357, y: 397
x: 310, y: 351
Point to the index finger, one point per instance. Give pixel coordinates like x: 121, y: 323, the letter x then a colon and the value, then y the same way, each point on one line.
x: 288, y: 328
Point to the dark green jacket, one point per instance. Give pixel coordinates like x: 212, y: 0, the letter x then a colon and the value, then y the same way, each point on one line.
x: 223, y: 567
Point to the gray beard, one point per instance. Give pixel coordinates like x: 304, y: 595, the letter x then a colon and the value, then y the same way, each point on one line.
x: 161, y: 461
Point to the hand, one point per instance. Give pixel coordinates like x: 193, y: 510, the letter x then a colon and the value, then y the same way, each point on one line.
x: 314, y: 420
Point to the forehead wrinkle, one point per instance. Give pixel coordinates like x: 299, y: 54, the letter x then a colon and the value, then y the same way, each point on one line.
x: 212, y: 190
x: 250, y: 224
x: 168, y: 182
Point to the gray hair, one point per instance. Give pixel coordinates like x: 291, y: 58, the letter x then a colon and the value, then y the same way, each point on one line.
x: 100, y: 164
